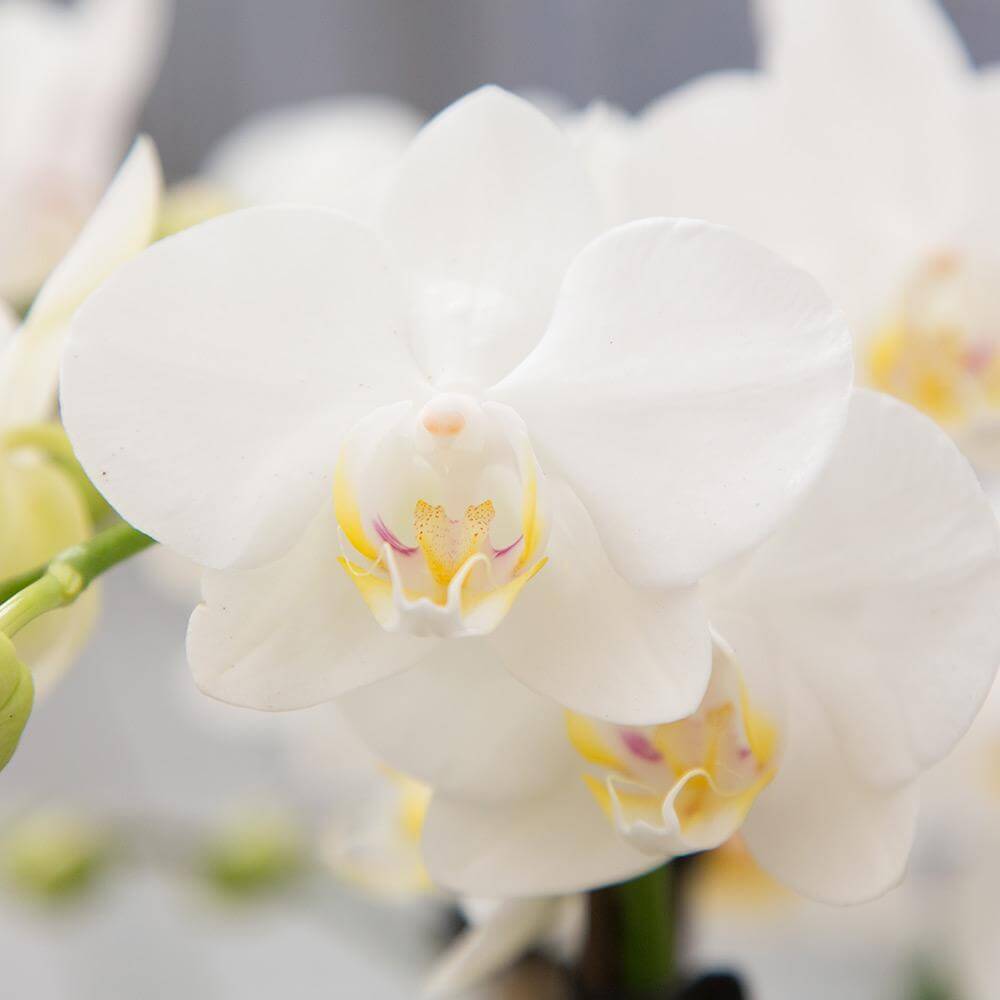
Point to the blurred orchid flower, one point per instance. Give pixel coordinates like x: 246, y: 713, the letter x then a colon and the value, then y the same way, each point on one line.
x: 337, y: 153
x: 44, y: 509
x: 866, y: 151
x: 375, y: 816
x: 72, y: 80
x: 683, y: 387
x: 853, y: 648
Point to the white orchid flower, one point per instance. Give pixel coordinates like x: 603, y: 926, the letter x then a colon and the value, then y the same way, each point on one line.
x: 866, y: 152
x: 853, y: 648
x: 72, y: 80
x: 43, y: 508
x: 679, y: 386
x: 335, y: 152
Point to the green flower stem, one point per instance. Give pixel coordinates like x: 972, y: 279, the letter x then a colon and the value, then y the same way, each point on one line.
x: 647, y: 931
x: 51, y: 440
x: 65, y: 577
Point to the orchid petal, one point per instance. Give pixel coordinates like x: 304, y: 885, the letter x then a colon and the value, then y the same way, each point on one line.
x: 598, y: 645
x: 231, y: 355
x: 335, y: 152
x: 122, y: 225
x: 292, y: 633
x: 701, y: 383
x: 459, y: 722
x: 819, y: 828
x: 489, y: 206
x: 556, y: 842
x: 880, y: 592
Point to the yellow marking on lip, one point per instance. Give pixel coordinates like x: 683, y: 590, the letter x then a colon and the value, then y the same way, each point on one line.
x: 447, y: 545
x: 376, y: 591
x: 587, y: 742
x: 348, y: 514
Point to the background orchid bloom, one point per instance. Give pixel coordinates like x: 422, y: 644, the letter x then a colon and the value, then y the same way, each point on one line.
x: 72, y: 80
x: 43, y: 508
x: 865, y: 151
x: 374, y: 817
x: 336, y: 152
x: 308, y: 407
x: 853, y: 648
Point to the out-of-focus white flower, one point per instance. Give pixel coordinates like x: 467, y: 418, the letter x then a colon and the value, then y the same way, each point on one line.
x: 374, y: 819
x: 865, y: 151
x: 43, y: 510
x: 72, y: 79
x: 682, y: 387
x: 853, y: 648
x: 337, y: 153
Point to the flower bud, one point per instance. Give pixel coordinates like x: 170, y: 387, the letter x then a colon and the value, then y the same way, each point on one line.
x: 254, y: 853
x: 53, y: 855
x: 17, y: 694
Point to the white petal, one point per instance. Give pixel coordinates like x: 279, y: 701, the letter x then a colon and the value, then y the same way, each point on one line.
x: 489, y: 206
x: 885, y: 42
x: 461, y: 723
x: 557, y: 842
x: 207, y: 386
x: 292, y: 633
x: 822, y: 830
x: 512, y: 929
x: 699, y: 150
x: 122, y: 225
x: 583, y: 636
x: 880, y: 592
x: 878, y: 92
x: 689, y: 388
x: 334, y: 152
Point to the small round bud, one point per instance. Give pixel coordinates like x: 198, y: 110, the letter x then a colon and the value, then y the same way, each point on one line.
x: 54, y: 855
x: 254, y: 852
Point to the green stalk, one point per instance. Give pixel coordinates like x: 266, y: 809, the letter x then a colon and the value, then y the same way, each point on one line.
x: 65, y: 577
x: 647, y: 931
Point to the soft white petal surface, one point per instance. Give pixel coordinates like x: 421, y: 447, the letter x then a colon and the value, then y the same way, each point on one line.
x: 581, y: 635
x: 461, y: 723
x: 122, y: 225
x: 880, y: 592
x: 490, y: 204
x: 689, y: 389
x: 208, y: 385
x: 292, y: 633
x: 558, y: 842
x: 821, y: 829
x: 876, y: 92
x: 335, y: 152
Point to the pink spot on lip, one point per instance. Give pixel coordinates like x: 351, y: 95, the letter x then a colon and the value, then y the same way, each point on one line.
x: 744, y: 753
x: 391, y: 540
x: 497, y: 553
x: 639, y: 746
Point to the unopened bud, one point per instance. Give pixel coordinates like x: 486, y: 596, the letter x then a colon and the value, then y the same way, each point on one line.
x: 254, y: 853
x: 53, y: 855
x: 17, y: 695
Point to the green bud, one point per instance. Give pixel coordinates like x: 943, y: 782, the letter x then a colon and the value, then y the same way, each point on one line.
x: 17, y: 695
x: 254, y: 853
x: 54, y: 855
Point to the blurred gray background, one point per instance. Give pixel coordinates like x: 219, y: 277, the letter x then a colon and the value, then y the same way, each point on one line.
x: 231, y: 58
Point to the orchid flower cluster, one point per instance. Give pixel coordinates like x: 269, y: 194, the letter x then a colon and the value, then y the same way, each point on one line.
x: 570, y: 500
